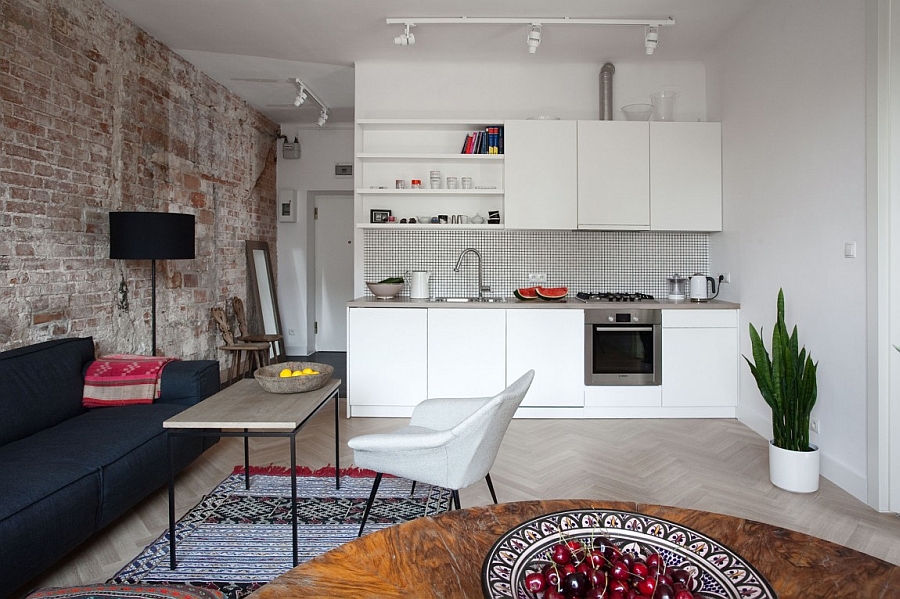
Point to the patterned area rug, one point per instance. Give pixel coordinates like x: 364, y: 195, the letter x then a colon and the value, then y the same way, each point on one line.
x: 236, y: 540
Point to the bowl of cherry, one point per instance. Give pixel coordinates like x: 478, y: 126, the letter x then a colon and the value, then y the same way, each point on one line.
x: 614, y: 554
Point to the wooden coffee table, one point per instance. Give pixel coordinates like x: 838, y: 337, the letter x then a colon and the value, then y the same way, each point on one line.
x: 442, y: 556
x: 255, y: 413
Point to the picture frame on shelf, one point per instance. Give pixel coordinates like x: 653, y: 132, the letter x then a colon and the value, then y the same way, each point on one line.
x: 379, y: 216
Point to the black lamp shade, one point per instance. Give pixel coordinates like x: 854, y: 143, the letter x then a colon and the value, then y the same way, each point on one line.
x: 151, y: 236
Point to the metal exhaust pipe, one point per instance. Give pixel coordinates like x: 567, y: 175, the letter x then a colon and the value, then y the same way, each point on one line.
x: 606, y: 91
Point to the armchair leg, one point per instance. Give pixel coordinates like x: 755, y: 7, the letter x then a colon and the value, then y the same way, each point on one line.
x: 413, y: 490
x: 491, y: 486
x: 455, y: 495
x: 370, y: 502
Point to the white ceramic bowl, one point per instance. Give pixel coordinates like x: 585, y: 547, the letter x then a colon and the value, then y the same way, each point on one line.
x: 424, y: 220
x: 385, y: 290
x: 637, y: 112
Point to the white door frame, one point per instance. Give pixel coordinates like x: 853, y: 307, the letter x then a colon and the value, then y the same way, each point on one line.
x: 311, y: 261
x: 883, y: 253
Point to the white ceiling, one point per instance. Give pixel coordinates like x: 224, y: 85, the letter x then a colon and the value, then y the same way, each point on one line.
x: 254, y: 46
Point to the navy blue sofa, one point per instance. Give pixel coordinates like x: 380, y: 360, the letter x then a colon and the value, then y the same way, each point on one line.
x: 68, y: 471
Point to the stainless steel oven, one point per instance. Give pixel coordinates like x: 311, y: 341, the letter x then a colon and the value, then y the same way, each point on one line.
x: 622, y: 347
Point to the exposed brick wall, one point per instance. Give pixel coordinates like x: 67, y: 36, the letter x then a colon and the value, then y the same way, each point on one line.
x: 97, y: 116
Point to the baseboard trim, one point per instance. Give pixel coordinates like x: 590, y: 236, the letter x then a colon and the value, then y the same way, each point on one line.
x: 852, y: 482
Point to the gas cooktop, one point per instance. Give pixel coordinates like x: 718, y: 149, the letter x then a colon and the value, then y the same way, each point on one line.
x: 613, y: 297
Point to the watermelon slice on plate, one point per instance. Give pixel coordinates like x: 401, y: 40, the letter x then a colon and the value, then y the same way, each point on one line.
x: 526, y: 293
x: 551, y: 293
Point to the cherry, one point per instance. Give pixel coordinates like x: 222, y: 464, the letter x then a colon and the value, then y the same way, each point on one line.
x: 567, y: 569
x: 628, y: 559
x: 640, y: 569
x: 597, y: 578
x: 575, y: 585
x: 647, y: 586
x: 596, y: 593
x: 682, y: 576
x: 584, y: 567
x: 654, y: 559
x: 620, y: 571
x: 612, y: 553
x: 560, y: 553
x: 683, y: 594
x: 663, y: 591
x: 551, y: 575
x: 602, y: 542
x: 596, y: 558
x: 554, y: 593
x: 535, y: 582
x: 617, y: 586
x: 576, y: 549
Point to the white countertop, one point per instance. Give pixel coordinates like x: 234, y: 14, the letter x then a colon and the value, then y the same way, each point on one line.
x: 568, y: 303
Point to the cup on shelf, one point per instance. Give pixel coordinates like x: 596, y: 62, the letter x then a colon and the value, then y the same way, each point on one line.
x: 462, y: 219
x: 452, y: 183
x: 400, y: 184
x: 467, y: 182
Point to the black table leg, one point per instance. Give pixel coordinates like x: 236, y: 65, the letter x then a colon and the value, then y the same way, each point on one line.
x: 337, y: 442
x: 294, y: 494
x: 171, y: 502
x: 246, y: 460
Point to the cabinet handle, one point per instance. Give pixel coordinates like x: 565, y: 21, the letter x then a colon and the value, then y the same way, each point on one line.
x: 623, y: 329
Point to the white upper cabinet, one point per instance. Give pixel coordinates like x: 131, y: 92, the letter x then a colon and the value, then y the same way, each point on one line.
x: 613, y: 175
x: 686, y: 176
x: 541, y: 175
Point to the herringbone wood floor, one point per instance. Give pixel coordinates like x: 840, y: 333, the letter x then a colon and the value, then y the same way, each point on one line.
x: 713, y: 465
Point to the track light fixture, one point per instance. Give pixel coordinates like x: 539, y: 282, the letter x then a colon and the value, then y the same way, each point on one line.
x: 304, y: 93
x: 651, y: 40
x: 406, y: 38
x: 651, y: 27
x: 534, y: 37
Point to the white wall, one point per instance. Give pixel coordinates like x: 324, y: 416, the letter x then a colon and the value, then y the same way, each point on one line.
x: 520, y: 90
x: 792, y: 87
x: 314, y: 171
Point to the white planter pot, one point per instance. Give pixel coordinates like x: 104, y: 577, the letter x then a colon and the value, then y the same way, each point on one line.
x: 796, y: 471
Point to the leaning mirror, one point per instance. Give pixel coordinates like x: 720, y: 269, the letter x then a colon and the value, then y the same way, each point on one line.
x: 262, y: 312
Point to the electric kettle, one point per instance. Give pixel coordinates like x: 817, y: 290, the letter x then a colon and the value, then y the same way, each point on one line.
x: 418, y: 283
x: 700, y: 288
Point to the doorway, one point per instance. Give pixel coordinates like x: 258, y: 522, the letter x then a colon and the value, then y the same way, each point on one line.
x: 333, y: 249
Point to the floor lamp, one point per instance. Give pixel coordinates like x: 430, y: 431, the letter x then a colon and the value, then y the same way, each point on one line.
x: 151, y: 236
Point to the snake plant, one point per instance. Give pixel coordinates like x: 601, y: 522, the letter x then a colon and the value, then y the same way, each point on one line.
x: 787, y: 381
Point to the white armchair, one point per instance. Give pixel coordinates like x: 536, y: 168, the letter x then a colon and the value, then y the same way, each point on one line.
x: 450, y: 443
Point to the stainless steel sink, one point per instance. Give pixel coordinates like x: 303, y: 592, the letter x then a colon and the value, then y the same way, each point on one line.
x: 469, y: 299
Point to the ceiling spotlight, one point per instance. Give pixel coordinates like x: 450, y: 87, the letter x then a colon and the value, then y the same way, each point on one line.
x: 534, y: 37
x: 651, y: 39
x: 323, y: 116
x: 406, y: 38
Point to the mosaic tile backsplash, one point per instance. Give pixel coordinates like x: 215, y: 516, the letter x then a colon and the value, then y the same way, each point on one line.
x: 591, y: 261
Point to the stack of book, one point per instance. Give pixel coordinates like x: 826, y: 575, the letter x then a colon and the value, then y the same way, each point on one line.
x: 489, y: 141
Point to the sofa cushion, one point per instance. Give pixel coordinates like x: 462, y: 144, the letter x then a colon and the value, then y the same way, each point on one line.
x: 41, y: 385
x: 49, y: 507
x: 126, y: 444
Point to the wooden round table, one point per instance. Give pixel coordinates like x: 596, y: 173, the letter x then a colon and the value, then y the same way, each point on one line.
x: 442, y: 556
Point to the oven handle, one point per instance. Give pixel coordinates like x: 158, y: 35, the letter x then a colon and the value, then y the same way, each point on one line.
x: 604, y: 329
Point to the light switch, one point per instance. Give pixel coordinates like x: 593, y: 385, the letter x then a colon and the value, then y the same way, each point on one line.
x: 850, y: 250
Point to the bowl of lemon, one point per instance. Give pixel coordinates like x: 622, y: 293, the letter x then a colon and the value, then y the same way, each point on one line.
x: 293, y: 377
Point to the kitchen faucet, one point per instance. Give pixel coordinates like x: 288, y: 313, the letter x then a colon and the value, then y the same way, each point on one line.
x: 481, y: 286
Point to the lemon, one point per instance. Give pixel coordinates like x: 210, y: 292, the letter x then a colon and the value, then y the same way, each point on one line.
x: 296, y: 373
x: 285, y: 373
x: 314, y: 372
x: 308, y: 371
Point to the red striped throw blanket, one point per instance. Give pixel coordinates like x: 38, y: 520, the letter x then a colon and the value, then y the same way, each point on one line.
x: 123, y: 379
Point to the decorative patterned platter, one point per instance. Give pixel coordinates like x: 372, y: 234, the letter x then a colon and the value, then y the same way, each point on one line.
x: 719, y: 572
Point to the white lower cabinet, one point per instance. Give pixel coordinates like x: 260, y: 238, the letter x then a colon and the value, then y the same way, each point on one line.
x: 399, y: 356
x: 466, y: 352
x: 700, y: 358
x: 387, y: 360
x: 552, y: 343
